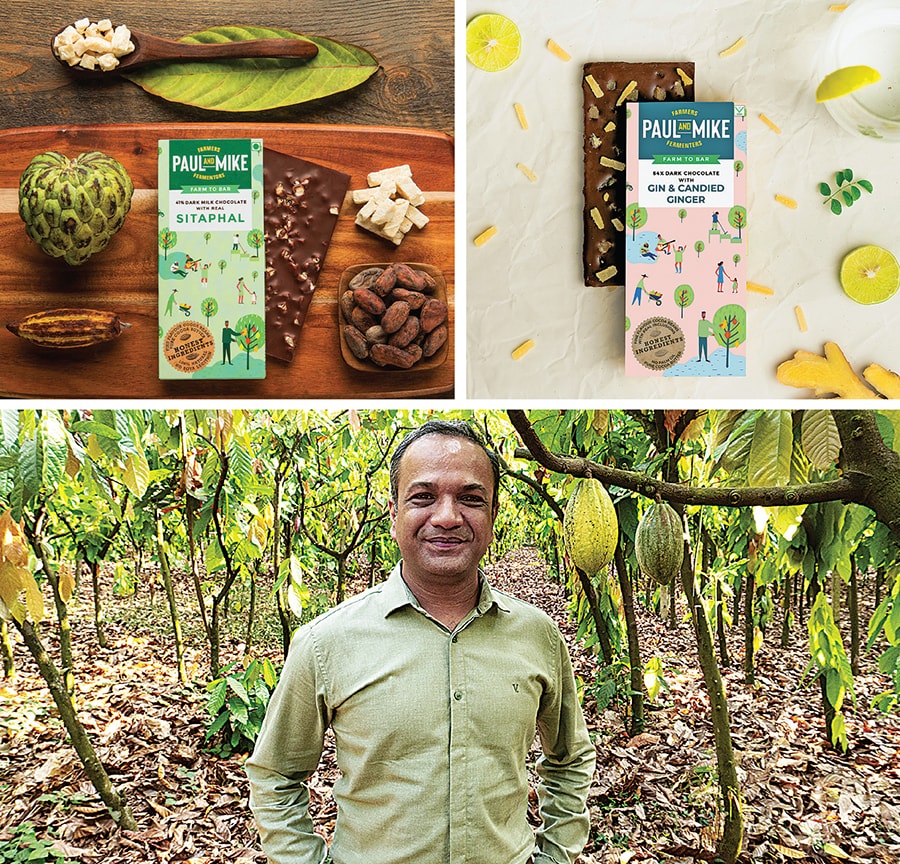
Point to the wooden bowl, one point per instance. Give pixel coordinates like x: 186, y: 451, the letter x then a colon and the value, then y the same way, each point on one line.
x: 440, y: 293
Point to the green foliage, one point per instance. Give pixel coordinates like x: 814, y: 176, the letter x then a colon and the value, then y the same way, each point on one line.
x: 24, y: 846
x: 886, y: 620
x: 256, y: 84
x: 847, y: 190
x: 830, y: 660
x: 237, y: 704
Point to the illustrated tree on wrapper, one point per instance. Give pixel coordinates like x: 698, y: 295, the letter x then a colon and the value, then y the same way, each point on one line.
x: 167, y: 240
x: 684, y: 296
x: 730, y: 327
x: 210, y: 308
x: 256, y: 238
x: 635, y: 217
x: 253, y: 334
x: 737, y: 218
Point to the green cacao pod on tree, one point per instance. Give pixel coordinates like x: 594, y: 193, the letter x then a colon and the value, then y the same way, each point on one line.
x: 72, y: 207
x: 590, y: 527
x: 659, y: 542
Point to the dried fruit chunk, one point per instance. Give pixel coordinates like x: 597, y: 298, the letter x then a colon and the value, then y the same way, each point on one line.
x: 828, y: 375
x: 485, y: 235
x: 884, y: 380
x: 521, y: 350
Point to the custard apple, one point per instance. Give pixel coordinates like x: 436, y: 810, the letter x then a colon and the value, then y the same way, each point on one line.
x: 72, y: 207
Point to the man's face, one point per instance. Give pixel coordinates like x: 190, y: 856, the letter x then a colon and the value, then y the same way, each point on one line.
x: 443, y: 517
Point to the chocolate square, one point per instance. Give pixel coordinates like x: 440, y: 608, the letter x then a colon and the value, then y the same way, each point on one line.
x: 604, y: 151
x: 302, y: 203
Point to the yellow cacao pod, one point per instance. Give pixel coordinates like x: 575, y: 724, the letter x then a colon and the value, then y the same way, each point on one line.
x: 659, y: 543
x: 67, y: 328
x: 590, y: 527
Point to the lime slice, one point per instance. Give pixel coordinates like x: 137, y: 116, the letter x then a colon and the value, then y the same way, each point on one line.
x: 493, y: 42
x: 870, y: 274
x: 845, y: 80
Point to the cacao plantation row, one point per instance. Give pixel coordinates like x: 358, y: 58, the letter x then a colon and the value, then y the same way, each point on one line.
x: 770, y: 521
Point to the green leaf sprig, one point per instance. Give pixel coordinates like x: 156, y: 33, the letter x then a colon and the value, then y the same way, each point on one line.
x: 847, y: 191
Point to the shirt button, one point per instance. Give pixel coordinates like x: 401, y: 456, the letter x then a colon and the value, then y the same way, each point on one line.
x: 457, y: 695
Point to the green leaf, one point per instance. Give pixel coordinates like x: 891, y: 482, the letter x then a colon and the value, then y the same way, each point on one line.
x: 836, y: 207
x: 771, y: 450
x: 839, y: 178
x: 854, y: 191
x: 825, y: 189
x: 848, y: 174
x: 819, y: 438
x: 257, y: 84
x: 866, y: 185
x: 848, y: 198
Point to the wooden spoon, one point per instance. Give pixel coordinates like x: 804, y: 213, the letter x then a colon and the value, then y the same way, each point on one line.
x: 151, y: 49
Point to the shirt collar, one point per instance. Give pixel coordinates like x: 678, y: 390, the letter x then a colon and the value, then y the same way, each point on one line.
x: 396, y: 594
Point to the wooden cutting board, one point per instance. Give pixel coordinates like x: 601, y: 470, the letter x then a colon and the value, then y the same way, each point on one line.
x: 123, y: 279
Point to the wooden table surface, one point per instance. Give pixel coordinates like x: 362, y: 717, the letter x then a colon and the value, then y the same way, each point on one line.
x: 413, y: 89
x: 413, y: 42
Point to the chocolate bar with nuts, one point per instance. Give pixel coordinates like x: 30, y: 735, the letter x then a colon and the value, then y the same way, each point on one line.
x: 302, y: 203
x: 608, y: 88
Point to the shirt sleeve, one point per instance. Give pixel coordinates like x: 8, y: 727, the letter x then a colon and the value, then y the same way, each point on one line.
x: 286, y: 754
x: 565, y: 769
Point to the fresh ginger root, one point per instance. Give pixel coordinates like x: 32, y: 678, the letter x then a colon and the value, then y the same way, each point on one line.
x: 883, y: 380
x: 828, y: 375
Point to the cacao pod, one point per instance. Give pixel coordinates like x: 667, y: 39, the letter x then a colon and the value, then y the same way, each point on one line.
x: 590, y: 527
x: 68, y: 328
x: 659, y: 543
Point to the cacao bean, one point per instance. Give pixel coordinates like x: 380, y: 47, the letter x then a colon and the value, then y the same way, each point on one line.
x: 408, y: 278
x: 376, y: 334
x: 365, y: 278
x: 434, y: 313
x: 406, y: 333
x: 385, y: 281
x: 416, y: 299
x: 391, y: 355
x: 369, y: 301
x: 435, y: 340
x: 356, y: 342
x: 361, y: 319
x: 347, y: 304
x: 395, y: 316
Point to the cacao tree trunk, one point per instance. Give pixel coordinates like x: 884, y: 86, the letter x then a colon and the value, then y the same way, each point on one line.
x: 786, y: 610
x: 109, y: 795
x: 590, y: 594
x: 729, y: 844
x: 721, y: 636
x: 251, y: 613
x: 853, y: 610
x: 749, y: 627
x: 166, y: 573
x: 635, y: 664
x: 99, y: 615
x: 6, y: 651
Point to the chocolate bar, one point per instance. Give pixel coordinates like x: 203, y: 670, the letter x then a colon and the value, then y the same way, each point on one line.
x: 302, y: 203
x: 607, y: 89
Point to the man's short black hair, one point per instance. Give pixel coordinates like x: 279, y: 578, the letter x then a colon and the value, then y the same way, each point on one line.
x: 457, y: 428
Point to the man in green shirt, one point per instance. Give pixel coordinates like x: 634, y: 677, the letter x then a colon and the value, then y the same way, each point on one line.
x: 704, y: 331
x: 434, y: 685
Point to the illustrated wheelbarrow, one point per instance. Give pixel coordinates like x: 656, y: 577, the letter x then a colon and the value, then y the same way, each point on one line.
x: 656, y: 297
